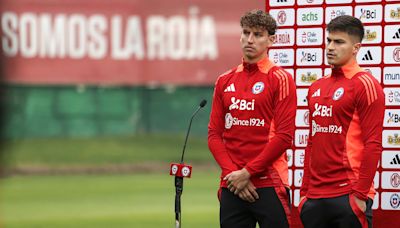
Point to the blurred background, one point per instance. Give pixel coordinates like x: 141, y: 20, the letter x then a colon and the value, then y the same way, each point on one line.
x: 96, y: 97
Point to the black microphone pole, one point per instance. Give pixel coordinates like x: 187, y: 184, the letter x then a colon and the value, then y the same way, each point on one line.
x: 179, y: 178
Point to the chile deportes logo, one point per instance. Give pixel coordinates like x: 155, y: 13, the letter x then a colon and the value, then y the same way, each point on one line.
x: 395, y: 201
x: 338, y: 94
x: 258, y: 87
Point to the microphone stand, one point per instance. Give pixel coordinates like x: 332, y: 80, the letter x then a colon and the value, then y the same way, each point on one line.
x: 179, y: 179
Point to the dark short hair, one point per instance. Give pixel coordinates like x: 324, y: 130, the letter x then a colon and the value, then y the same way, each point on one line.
x: 259, y: 19
x: 347, y: 24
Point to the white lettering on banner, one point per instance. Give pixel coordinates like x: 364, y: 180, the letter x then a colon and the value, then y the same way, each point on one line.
x: 241, y: 104
x: 78, y: 36
x: 234, y: 121
x: 322, y: 110
x: 391, y: 159
x: 301, y: 137
x: 392, y: 118
x: 392, y: 96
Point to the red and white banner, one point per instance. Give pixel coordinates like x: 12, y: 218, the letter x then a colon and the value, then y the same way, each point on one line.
x: 120, y: 42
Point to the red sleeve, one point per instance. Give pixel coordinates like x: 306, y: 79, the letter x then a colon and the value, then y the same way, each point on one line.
x: 307, y: 155
x: 284, y: 119
x: 371, y: 107
x: 216, y: 128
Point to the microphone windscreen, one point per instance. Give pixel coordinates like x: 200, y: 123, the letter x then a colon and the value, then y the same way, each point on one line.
x: 203, y: 103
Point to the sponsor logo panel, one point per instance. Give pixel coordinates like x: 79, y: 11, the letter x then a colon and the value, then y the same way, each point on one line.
x: 338, y: 1
x: 296, y: 198
x: 373, y: 35
x: 391, y: 138
x: 309, y: 2
x: 309, y: 56
x: 306, y: 76
x: 390, y: 200
x: 289, y: 155
x: 309, y: 36
x: 290, y: 177
x: 283, y: 17
x: 376, y: 180
x: 299, y: 158
x: 391, y: 159
x: 392, y: 33
x: 369, y: 13
x: 392, y: 54
x: 391, y: 180
x: 302, y: 118
x: 375, y: 205
x: 302, y: 97
x: 333, y: 12
x: 284, y: 37
x: 310, y: 16
x: 392, y: 96
x: 301, y: 137
x: 392, y: 118
x: 298, y: 177
x: 374, y: 71
x: 392, y: 13
x: 369, y: 55
x: 282, y: 57
x: 281, y: 2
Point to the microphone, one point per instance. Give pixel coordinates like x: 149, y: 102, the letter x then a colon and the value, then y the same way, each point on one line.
x: 181, y: 170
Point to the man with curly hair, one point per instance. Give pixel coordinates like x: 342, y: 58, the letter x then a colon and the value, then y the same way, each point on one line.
x: 251, y: 126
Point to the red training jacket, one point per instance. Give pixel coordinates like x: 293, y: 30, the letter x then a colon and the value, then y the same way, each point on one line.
x: 345, y: 139
x: 252, y: 122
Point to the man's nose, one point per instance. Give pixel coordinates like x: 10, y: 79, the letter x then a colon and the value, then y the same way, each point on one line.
x: 250, y: 39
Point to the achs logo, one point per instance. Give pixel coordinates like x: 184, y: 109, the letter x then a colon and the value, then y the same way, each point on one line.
x: 368, y: 14
x: 396, y: 54
x: 393, y: 140
x: 281, y: 17
x: 241, y: 104
x: 395, y: 180
x: 395, y: 14
x: 309, y: 77
x: 310, y: 16
x: 370, y: 36
x: 308, y: 57
x: 338, y: 94
x: 322, y: 110
x: 258, y: 87
x: 395, y: 201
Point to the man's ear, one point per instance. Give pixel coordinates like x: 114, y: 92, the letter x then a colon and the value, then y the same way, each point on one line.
x: 272, y: 38
x: 356, y: 48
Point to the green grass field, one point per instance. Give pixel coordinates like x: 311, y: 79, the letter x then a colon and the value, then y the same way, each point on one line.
x: 142, y: 200
x: 106, y: 200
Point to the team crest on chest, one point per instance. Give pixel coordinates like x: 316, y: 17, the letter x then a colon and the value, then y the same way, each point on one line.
x: 258, y: 87
x: 338, y: 94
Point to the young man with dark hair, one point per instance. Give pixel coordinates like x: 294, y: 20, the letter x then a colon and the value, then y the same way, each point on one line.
x: 345, y: 139
x: 251, y: 126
